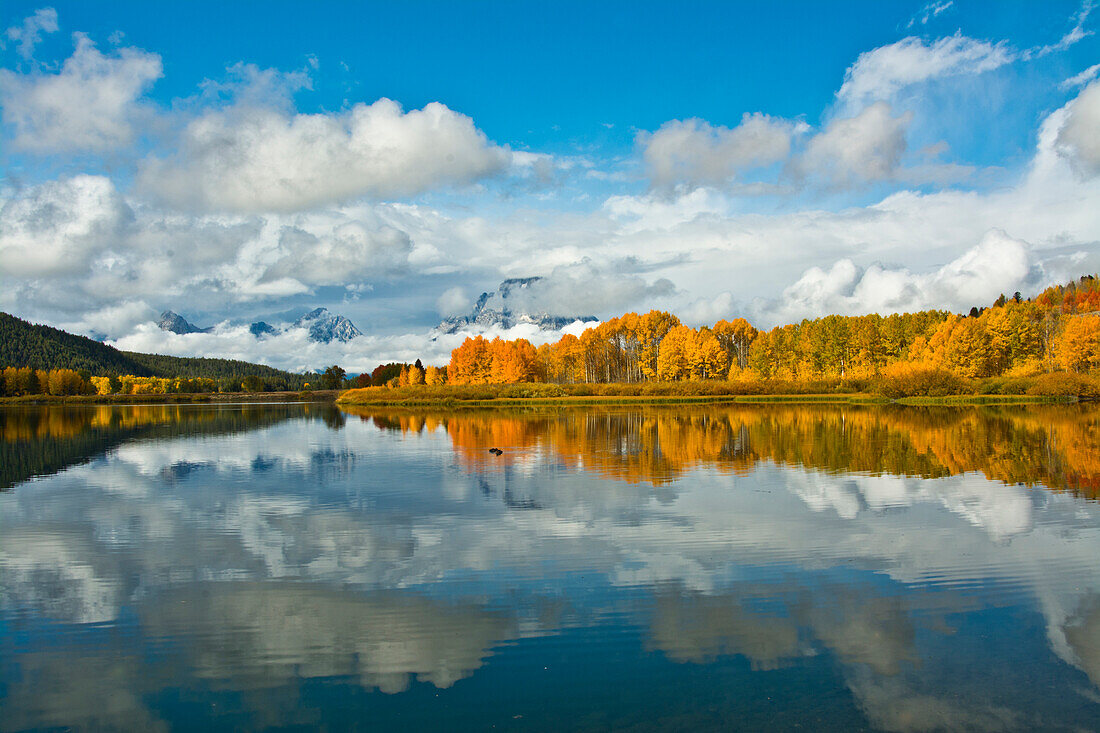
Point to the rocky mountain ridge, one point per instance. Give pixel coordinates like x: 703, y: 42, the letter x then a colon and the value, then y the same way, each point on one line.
x: 323, y: 326
x: 503, y: 308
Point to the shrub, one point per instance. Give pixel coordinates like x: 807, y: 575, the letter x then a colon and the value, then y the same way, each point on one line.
x: 904, y: 379
x: 1065, y: 384
x: 529, y: 390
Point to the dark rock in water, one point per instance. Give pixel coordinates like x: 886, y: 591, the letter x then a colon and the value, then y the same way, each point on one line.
x: 496, y: 451
x: 176, y: 323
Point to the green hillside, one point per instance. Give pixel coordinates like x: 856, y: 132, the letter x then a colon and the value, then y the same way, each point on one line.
x: 24, y: 344
x: 182, y: 366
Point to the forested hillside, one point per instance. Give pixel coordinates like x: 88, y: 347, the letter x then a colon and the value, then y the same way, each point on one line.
x: 30, y: 353
x: 182, y: 366
x: 24, y: 344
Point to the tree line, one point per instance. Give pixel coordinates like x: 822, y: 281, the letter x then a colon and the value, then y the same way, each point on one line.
x: 1057, y: 331
x: 17, y: 382
x: 37, y: 359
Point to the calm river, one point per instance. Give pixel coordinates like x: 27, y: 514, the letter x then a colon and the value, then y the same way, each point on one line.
x: 650, y: 568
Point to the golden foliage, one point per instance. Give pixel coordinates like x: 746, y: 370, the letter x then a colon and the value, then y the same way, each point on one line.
x: 1054, y: 446
x: 936, y: 350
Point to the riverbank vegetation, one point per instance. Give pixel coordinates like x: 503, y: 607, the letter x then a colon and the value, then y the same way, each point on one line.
x: 1047, y: 346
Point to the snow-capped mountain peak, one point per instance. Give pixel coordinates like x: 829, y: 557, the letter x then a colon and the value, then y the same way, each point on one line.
x: 326, y: 327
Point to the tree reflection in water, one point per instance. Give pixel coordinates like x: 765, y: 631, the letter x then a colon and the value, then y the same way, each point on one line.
x: 699, y: 567
x: 1052, y: 445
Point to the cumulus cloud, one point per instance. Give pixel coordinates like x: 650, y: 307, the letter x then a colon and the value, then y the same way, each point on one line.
x: 332, y: 259
x: 113, y: 319
x: 248, y: 86
x: 695, y: 152
x: 78, y: 244
x: 706, y: 311
x: 256, y: 159
x: 880, y: 74
x: 88, y: 106
x: 651, y: 212
x: 587, y: 288
x: 864, y: 148
x: 998, y: 264
x: 1079, y: 140
x: 55, y: 228
x: 453, y: 302
x: 30, y: 33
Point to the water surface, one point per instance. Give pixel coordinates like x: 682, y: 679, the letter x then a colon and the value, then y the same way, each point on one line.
x: 650, y: 568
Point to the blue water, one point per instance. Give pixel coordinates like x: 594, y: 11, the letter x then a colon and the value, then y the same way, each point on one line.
x: 292, y: 566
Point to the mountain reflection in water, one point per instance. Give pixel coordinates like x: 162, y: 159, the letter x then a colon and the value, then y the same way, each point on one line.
x: 651, y: 567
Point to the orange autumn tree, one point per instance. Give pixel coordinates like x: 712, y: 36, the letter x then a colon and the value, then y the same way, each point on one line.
x: 511, y: 362
x: 470, y: 362
x: 435, y: 375
x: 1014, y: 338
x: 480, y: 361
x: 1077, y: 348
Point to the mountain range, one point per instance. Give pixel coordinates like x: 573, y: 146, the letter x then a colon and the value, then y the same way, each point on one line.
x: 323, y: 325
x: 174, y: 322
x: 505, y: 308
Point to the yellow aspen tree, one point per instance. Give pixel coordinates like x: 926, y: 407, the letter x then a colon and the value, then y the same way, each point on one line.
x: 673, y: 363
x: 1077, y: 347
x: 434, y: 375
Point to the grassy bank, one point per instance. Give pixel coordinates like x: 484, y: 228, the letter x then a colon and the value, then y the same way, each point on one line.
x: 171, y: 399
x: 658, y: 393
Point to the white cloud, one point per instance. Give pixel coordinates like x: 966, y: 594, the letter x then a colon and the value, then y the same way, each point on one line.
x: 453, y: 302
x: 1074, y: 35
x: 707, y: 311
x: 113, y: 319
x: 854, y: 150
x: 89, y: 105
x: 587, y: 288
x: 879, y: 75
x: 253, y: 159
x: 76, y: 245
x: 694, y: 152
x: 1079, y: 138
x: 652, y: 212
x: 336, y: 256
x: 76, y: 248
x: 930, y: 12
x: 1079, y: 80
x: 55, y: 228
x: 998, y: 264
x: 294, y: 351
x: 247, y: 86
x: 44, y: 20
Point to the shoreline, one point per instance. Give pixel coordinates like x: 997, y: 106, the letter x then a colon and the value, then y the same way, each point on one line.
x: 451, y: 401
x: 173, y: 399
x: 821, y: 399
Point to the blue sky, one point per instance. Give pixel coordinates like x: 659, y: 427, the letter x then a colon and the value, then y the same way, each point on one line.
x: 771, y: 160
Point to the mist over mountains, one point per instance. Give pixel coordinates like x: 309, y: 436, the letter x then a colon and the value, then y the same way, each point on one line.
x: 323, y: 326
x: 515, y: 302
